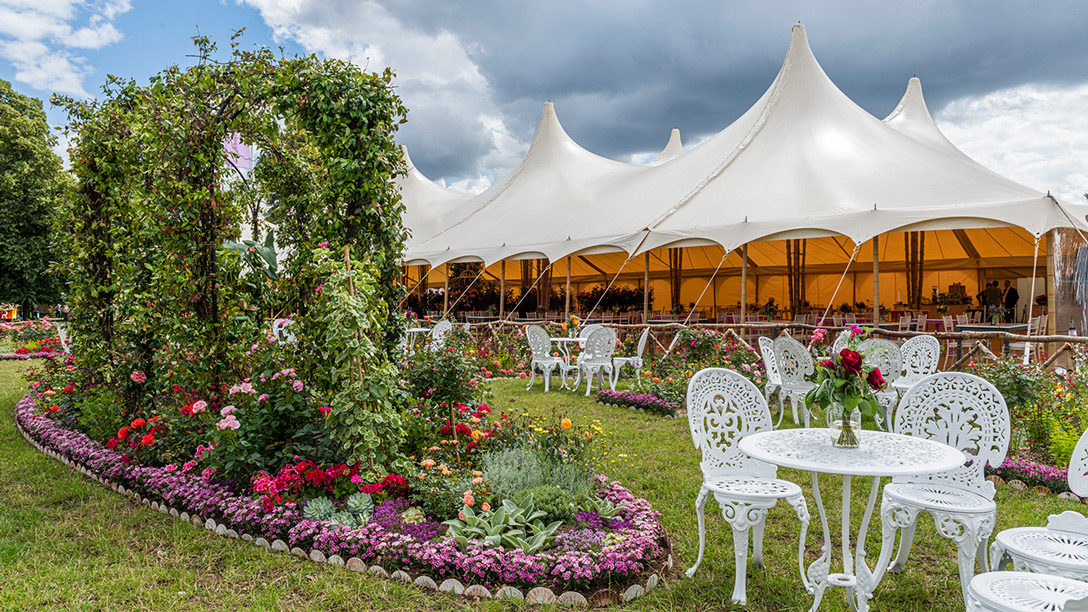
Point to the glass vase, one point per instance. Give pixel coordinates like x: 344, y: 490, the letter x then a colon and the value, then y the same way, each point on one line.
x: 845, y: 427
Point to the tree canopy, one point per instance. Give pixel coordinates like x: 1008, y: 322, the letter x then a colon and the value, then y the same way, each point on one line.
x: 31, y: 180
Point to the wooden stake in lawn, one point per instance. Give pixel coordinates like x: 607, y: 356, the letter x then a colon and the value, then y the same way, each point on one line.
x: 357, y: 361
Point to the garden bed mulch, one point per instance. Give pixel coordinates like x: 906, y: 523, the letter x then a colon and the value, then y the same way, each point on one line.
x: 79, y: 452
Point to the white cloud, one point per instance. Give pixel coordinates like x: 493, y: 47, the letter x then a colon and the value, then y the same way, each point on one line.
x: 453, y: 121
x: 36, y: 36
x: 1033, y: 134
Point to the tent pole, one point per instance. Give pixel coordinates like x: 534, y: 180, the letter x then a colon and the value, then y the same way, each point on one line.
x: 876, y: 281
x: 446, y: 290
x: 743, y: 282
x: 502, y: 290
x: 566, y: 310
x: 1051, y: 284
x: 646, y: 287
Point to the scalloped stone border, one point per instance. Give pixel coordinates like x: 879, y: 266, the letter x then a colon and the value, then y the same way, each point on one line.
x: 535, y: 595
x: 1039, y: 490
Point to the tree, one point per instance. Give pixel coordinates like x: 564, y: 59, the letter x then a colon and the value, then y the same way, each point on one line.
x: 31, y: 180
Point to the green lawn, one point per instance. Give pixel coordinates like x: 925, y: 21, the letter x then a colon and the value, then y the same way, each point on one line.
x: 69, y: 544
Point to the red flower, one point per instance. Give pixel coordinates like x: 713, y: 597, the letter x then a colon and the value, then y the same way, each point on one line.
x: 851, y: 361
x: 148, y: 440
x: 876, y: 381
x: 122, y: 433
x: 371, y: 489
x: 138, y: 423
x: 828, y: 363
x: 112, y: 443
x: 54, y: 408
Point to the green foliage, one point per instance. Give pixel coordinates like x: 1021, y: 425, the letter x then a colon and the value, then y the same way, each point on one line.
x: 512, y: 525
x: 695, y: 349
x: 31, y: 182
x: 1027, y: 391
x: 511, y: 471
x: 556, y: 504
x: 365, y: 402
x: 446, y: 376
x: 360, y: 504
x: 603, y: 507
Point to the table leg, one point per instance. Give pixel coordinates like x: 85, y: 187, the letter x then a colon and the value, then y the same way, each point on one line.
x: 866, y: 580
x: 817, y: 581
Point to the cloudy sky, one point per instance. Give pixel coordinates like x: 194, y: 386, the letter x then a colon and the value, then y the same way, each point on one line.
x: 1007, y: 81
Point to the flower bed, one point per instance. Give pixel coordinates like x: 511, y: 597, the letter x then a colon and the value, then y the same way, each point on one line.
x: 1032, y: 474
x: 37, y: 355
x: 608, y: 566
x: 643, y: 401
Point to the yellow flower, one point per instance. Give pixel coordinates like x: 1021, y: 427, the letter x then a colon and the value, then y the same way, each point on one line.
x: 566, y: 424
x: 575, y: 320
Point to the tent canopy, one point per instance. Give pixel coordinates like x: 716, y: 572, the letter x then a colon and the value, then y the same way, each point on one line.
x: 803, y: 161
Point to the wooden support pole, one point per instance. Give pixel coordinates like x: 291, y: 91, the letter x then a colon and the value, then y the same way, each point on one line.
x: 876, y: 281
x: 566, y: 310
x: 446, y: 292
x: 1052, y: 245
x: 502, y: 289
x: 743, y: 282
x: 646, y: 288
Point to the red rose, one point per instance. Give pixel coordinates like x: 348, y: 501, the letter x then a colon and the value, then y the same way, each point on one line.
x: 138, y: 423
x: 828, y: 363
x: 122, y: 433
x: 851, y: 361
x: 148, y: 440
x: 876, y: 381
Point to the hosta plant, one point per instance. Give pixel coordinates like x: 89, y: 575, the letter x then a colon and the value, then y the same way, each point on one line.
x: 511, y: 526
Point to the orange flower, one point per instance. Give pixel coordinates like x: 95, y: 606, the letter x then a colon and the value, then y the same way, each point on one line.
x: 427, y: 463
x: 486, y: 507
x: 138, y: 423
x: 566, y: 424
x: 656, y: 379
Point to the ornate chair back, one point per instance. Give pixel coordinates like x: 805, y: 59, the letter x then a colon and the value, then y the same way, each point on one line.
x: 539, y: 343
x: 1078, y: 467
x: 641, y: 346
x: 920, y: 355
x: 588, y: 329
x: 965, y: 412
x: 439, y: 333
x: 284, y: 333
x: 600, y: 346
x: 885, y: 355
x: 840, y: 343
x: 723, y: 407
x: 766, y: 348
x: 793, y: 361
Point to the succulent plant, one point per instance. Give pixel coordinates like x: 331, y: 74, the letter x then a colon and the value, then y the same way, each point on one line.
x: 318, y: 509
x: 361, y: 505
x: 511, y: 526
x: 346, y: 519
x: 612, y: 539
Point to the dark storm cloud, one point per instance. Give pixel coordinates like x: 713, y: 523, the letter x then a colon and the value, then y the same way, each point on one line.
x: 622, y: 74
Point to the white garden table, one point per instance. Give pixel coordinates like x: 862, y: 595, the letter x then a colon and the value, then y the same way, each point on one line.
x: 564, y: 343
x: 879, y: 454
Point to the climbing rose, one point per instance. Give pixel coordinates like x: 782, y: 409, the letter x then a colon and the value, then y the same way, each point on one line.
x: 138, y: 377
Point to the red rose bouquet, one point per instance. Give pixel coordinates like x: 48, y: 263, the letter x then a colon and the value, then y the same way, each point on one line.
x: 845, y: 384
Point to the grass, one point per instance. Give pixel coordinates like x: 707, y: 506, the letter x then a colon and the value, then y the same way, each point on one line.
x: 69, y: 544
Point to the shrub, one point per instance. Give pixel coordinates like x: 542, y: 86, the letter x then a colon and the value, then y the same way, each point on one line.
x: 445, y: 376
x: 556, y: 504
x: 511, y: 471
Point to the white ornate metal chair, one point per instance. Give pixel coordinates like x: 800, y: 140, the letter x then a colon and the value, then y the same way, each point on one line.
x: 634, y: 362
x: 65, y: 336
x: 794, y: 364
x: 1060, y: 548
x: 723, y: 407
x: 774, y: 377
x: 969, y: 414
x: 540, y: 344
x: 920, y: 356
x: 885, y: 355
x: 840, y: 343
x: 1024, y: 591
x: 438, y: 335
x: 596, y: 358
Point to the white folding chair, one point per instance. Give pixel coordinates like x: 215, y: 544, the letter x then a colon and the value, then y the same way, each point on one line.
x: 723, y: 407
x: 967, y: 413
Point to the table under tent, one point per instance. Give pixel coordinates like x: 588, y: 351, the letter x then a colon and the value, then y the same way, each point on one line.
x: 806, y: 198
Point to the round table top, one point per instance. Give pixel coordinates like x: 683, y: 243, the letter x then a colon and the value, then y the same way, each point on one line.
x: 416, y: 330
x: 879, y: 454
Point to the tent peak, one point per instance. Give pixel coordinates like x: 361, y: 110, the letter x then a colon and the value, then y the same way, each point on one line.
x: 407, y: 160
x: 911, y: 117
x: 672, y: 150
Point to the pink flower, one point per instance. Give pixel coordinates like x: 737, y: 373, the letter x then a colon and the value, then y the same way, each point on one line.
x: 324, y: 244
x: 228, y: 423
x: 188, y: 466
x: 199, y: 406
x: 325, y: 410
x: 297, y: 386
x: 170, y: 468
x: 138, y: 377
x: 262, y: 397
x: 234, y: 389
x: 227, y: 411
x: 207, y: 474
x: 356, y: 479
x: 247, y: 387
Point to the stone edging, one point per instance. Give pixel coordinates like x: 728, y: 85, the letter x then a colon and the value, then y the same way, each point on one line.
x: 537, y: 595
x: 1039, y: 490
x: 680, y: 412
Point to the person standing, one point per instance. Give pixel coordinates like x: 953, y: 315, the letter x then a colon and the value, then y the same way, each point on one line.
x: 993, y: 297
x: 1010, y: 298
